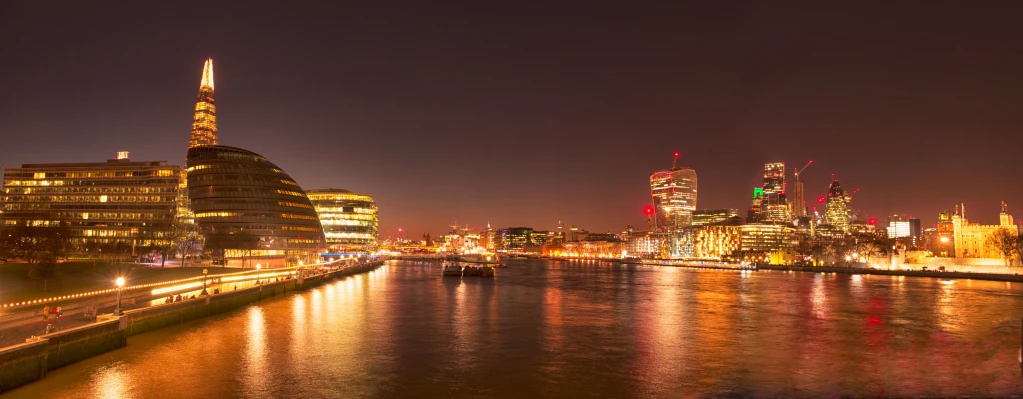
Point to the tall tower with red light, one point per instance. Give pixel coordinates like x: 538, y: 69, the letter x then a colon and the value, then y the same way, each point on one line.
x: 673, y: 197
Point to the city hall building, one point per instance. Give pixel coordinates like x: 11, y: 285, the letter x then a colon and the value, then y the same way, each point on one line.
x: 250, y: 209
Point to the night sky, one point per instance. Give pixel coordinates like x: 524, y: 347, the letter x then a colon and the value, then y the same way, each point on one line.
x: 524, y: 115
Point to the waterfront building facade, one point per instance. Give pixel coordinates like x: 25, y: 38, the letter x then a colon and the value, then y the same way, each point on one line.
x: 118, y: 202
x: 516, y: 239
x: 837, y: 213
x: 717, y: 242
x: 971, y: 239
x: 350, y: 220
x: 591, y: 249
x: 250, y: 209
x: 673, y: 193
x: 769, y: 241
x: 645, y: 244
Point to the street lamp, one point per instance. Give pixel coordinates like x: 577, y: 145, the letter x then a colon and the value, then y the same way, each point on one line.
x: 204, y: 271
x: 120, y: 286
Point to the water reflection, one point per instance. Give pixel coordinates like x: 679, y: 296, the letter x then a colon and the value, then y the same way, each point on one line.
x: 580, y: 329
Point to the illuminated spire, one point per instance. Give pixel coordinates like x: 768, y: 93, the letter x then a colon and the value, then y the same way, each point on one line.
x: 204, y: 122
x: 207, y: 74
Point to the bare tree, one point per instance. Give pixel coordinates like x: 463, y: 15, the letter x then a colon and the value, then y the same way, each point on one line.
x: 1004, y: 241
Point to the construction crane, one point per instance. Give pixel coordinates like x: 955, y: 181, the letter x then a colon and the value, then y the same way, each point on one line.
x: 799, y: 208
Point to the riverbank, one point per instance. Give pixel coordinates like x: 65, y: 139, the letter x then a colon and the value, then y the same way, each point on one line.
x: 908, y: 273
x: 30, y: 361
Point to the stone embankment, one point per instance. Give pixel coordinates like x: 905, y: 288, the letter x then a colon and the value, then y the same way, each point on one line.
x: 909, y: 273
x: 30, y: 361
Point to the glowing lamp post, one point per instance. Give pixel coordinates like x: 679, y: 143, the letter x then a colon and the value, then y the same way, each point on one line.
x: 120, y: 286
x: 204, y: 271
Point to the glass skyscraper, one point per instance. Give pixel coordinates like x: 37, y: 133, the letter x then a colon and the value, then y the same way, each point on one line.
x: 837, y: 212
x: 673, y: 193
x: 775, y: 204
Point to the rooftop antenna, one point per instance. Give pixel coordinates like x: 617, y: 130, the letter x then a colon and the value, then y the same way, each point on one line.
x: 674, y: 161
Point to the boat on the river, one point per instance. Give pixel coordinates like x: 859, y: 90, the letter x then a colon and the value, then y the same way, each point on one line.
x: 478, y: 258
x: 452, y: 270
x: 471, y: 271
x: 487, y: 271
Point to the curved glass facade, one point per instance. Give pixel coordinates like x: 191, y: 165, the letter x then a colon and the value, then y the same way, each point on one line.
x: 350, y: 220
x: 250, y: 208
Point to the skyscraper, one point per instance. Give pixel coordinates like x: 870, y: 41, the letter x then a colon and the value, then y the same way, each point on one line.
x: 837, y: 213
x: 755, y: 214
x: 673, y: 192
x: 204, y: 132
x: 204, y: 123
x: 775, y: 205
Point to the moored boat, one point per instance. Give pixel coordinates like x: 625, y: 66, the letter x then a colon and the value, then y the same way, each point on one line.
x: 487, y: 271
x: 452, y: 270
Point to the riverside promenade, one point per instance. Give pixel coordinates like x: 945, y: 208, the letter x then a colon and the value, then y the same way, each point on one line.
x: 907, y: 273
x: 32, y: 357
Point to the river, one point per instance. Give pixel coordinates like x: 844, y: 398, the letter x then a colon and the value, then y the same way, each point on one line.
x: 545, y: 329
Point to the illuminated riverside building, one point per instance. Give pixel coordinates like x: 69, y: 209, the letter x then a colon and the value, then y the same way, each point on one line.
x: 106, y: 203
x: 251, y: 209
x: 705, y: 217
x: 971, y: 239
x: 673, y: 192
x: 767, y: 241
x: 646, y: 244
x: 350, y: 221
x: 837, y: 212
x: 590, y: 249
x: 716, y: 242
x: 774, y: 203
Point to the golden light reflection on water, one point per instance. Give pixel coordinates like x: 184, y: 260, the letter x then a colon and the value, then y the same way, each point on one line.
x: 819, y: 298
x: 948, y: 316
x: 580, y: 330
x: 254, y: 368
x: 113, y: 382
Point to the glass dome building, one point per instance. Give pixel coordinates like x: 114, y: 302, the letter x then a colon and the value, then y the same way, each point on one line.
x: 251, y: 211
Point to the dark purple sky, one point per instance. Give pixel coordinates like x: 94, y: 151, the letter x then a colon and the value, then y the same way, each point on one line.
x: 530, y: 114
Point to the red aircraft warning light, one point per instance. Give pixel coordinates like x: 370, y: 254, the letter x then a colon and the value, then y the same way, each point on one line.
x: 648, y: 210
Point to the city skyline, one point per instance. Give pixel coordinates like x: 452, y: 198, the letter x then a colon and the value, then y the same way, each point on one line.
x: 368, y: 134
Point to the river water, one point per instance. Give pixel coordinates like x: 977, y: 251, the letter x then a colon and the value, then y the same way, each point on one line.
x: 545, y: 329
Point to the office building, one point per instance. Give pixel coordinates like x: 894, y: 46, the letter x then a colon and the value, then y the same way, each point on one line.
x: 704, y: 217
x: 717, y: 242
x: 767, y: 241
x: 673, y: 193
x: 775, y: 203
x: 250, y: 210
x: 350, y: 220
x: 755, y: 213
x: 837, y: 213
x: 118, y: 202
